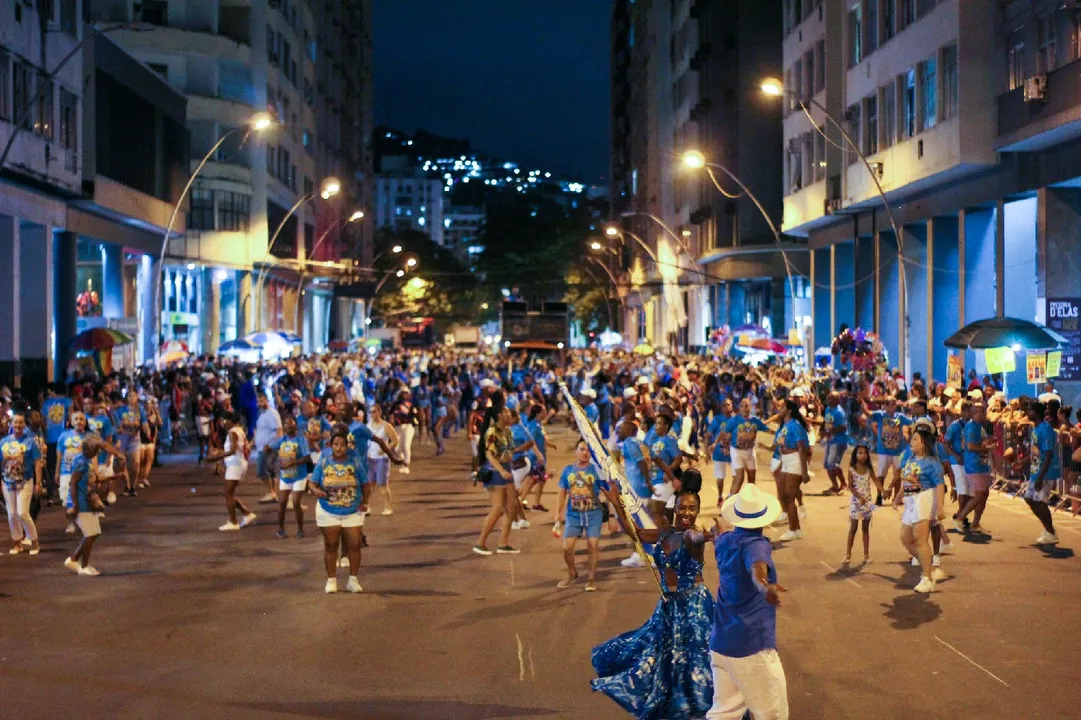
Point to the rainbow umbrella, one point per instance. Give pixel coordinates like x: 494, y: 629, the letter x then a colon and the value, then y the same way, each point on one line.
x: 99, y: 338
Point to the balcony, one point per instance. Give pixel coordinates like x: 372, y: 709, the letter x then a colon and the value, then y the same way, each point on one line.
x: 1037, y: 124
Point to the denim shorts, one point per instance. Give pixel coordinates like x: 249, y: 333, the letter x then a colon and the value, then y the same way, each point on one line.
x: 492, y: 479
x: 379, y: 470
x: 835, y: 452
x: 266, y: 465
x: 583, y: 523
x: 128, y: 443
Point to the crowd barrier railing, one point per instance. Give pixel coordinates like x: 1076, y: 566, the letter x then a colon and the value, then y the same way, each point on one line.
x: 1010, y: 465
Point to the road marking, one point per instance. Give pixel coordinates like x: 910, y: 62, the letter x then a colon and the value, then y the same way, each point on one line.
x: 521, y: 658
x: 1003, y: 504
x: 532, y: 671
x: 512, y: 572
x: 834, y: 570
x: 966, y: 657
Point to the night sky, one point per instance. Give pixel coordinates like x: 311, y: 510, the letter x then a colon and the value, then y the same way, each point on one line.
x: 524, y: 80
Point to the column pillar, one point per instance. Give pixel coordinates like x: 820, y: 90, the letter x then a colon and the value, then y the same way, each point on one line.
x: 844, y: 290
x: 213, y: 332
x: 36, y: 326
x: 10, y: 294
x: 890, y: 308
x: 112, y: 273
x: 946, y: 293
x: 65, y: 252
x: 150, y: 306
x: 209, y: 317
x: 247, y: 305
x: 821, y: 297
x: 1000, y: 259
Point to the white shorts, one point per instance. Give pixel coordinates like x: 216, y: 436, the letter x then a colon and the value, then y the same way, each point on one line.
x: 775, y: 465
x: 236, y: 471
x: 327, y: 519
x: 473, y: 442
x: 297, y: 486
x: 791, y: 465
x: 1044, y: 493
x: 720, y: 469
x: 662, y: 493
x: 88, y: 524
x: 105, y: 470
x: 520, y: 474
x: 65, y: 488
x: 886, y: 461
x: 960, y: 483
x: 755, y: 683
x: 918, y: 507
x: 743, y: 460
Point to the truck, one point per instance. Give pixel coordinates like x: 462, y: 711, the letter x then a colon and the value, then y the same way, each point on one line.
x: 464, y: 337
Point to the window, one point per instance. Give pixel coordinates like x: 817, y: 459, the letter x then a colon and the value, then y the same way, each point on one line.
x: 155, y: 12
x: 852, y: 117
x: 809, y: 73
x: 928, y: 94
x: 22, y: 91
x: 872, y: 26
x: 68, y: 17
x: 887, y: 20
x: 790, y: 102
x: 923, y: 7
x: 908, y: 14
x: 234, y: 211
x: 5, y: 85
x: 949, y: 83
x: 888, y: 124
x: 908, y: 95
x: 1015, y: 58
x: 1045, y: 44
x: 797, y: 80
x: 795, y: 167
x: 855, y: 36
x: 819, y: 159
x: 201, y: 209
x: 820, y: 66
x: 870, y: 125
x: 69, y: 120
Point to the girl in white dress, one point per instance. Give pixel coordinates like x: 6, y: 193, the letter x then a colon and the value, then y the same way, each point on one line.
x: 862, y: 506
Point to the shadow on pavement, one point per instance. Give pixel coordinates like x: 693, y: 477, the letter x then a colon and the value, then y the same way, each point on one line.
x: 1055, y: 552
x: 910, y: 611
x: 398, y: 709
x: 415, y: 592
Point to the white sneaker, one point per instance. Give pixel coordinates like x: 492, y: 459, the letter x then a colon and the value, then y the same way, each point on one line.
x: 331, y: 586
x: 89, y: 571
x: 915, y: 562
x: 289, y: 505
x: 343, y: 562
x: 789, y: 536
x: 388, y: 511
x: 782, y: 519
x: 26, y: 542
x: 634, y: 561
x: 945, y: 548
x: 71, y: 529
x: 1047, y: 538
x: 958, y: 526
x: 247, y: 520
x: 269, y: 498
x: 926, y: 585
x: 938, y: 574
x: 802, y: 512
x: 523, y: 524
x: 71, y: 565
x: 403, y: 470
x: 229, y: 527
x: 353, y: 585
x: 111, y: 498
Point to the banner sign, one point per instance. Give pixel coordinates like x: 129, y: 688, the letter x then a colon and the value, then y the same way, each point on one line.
x: 1036, y: 367
x: 1064, y: 317
x: 1054, y: 363
x: 999, y: 360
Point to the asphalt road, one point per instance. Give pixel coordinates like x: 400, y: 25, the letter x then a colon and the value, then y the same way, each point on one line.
x: 187, y: 622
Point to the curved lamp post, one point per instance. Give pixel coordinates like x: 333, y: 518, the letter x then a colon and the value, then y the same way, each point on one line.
x: 409, y: 266
x: 330, y: 187
x: 340, y: 222
x: 772, y: 87
x: 259, y: 123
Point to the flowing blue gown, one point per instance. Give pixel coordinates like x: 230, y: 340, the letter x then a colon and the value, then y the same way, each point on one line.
x: 662, y: 669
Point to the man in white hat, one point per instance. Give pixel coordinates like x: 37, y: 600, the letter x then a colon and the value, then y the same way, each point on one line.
x: 587, y: 397
x: 747, y: 672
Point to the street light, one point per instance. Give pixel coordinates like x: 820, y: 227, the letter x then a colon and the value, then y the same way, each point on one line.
x: 596, y: 246
x: 396, y: 249
x: 341, y: 222
x: 694, y: 160
x: 773, y: 87
x: 259, y: 123
x: 411, y: 263
x: 400, y: 273
x: 357, y: 215
x: 611, y: 231
x: 375, y: 293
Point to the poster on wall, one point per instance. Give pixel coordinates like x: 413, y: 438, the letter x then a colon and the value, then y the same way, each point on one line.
x: 1054, y: 363
x: 999, y: 360
x: 1036, y: 367
x: 955, y: 371
x: 1064, y: 317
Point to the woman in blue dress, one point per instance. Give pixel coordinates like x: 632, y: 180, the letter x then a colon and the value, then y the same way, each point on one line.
x: 662, y: 669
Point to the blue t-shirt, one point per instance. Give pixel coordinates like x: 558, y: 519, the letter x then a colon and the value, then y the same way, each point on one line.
x: 316, y: 426
x: 791, y: 435
x: 55, y: 411
x: 290, y: 448
x: 592, y: 413
x: 360, y: 436
x: 129, y: 421
x: 835, y: 418
x: 955, y: 438
x: 536, y: 431
x: 519, y: 436
x: 718, y: 433
x: 634, y: 452
x: 667, y: 449
x: 583, y: 486
x: 19, y: 453
x: 920, y: 473
x: 82, y: 486
x: 1044, y: 443
x: 975, y: 462
x: 342, y: 481
x: 744, y: 623
x: 101, y: 425
x: 744, y: 431
x: 68, y: 448
x: 891, y: 438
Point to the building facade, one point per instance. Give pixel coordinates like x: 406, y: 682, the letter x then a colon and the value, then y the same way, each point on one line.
x: 256, y: 220
x: 965, y: 113
x: 410, y: 201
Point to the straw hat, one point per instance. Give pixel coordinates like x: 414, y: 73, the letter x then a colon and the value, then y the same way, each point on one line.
x: 589, y: 393
x: 751, y: 508
x: 629, y: 393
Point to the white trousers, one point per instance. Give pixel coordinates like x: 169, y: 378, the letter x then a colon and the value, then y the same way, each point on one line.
x: 754, y: 683
x: 18, y: 505
x: 405, y: 434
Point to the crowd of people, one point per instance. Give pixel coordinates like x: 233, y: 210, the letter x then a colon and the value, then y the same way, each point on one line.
x: 333, y: 426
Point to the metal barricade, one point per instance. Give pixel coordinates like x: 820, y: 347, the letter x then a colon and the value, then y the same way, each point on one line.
x: 1067, y: 494
x: 1009, y: 459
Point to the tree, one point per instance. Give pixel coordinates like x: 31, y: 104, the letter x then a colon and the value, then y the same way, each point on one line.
x: 588, y: 296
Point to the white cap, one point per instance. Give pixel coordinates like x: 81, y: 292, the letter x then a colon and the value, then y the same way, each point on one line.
x: 642, y: 380
x: 975, y: 395
x: 486, y: 383
x: 589, y: 393
x: 629, y: 393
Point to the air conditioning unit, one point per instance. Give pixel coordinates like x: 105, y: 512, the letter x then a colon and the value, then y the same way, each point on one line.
x: 1036, y: 88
